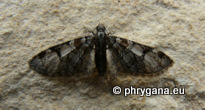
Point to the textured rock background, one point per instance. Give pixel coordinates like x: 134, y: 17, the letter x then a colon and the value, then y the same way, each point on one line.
x: 29, y: 27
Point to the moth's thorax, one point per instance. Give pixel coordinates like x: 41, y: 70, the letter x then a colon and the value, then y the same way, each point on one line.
x: 100, y: 35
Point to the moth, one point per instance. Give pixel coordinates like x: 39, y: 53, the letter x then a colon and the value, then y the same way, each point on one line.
x: 77, y: 56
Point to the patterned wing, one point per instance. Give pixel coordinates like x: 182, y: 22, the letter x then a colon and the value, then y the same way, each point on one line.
x: 136, y: 58
x: 65, y: 59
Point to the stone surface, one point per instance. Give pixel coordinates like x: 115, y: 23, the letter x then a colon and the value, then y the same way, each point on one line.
x: 29, y: 27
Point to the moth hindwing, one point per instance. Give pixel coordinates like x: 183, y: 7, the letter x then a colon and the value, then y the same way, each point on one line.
x: 75, y: 56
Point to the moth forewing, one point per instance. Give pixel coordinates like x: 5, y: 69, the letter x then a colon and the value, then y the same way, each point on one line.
x: 64, y: 59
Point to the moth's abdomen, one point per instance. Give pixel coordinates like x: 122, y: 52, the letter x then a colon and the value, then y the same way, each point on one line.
x: 101, y: 64
x: 100, y: 54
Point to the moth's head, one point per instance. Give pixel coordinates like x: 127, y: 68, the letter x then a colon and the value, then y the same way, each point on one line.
x: 100, y: 28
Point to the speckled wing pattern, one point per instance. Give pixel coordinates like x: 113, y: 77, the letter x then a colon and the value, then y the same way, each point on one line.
x: 65, y: 59
x: 137, y: 58
x: 76, y: 56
